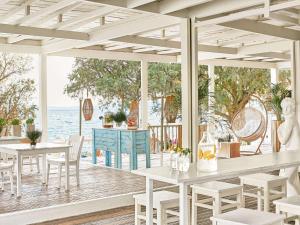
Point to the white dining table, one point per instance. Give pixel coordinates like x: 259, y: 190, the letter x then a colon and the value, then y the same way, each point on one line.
x: 227, y: 168
x: 20, y: 150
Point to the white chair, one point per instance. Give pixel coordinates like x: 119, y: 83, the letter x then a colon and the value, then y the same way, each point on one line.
x: 9, y: 169
x: 31, y: 163
x: 266, y: 187
x: 163, y: 202
x: 217, y: 193
x: 244, y: 216
x: 76, y: 142
x: 290, y: 207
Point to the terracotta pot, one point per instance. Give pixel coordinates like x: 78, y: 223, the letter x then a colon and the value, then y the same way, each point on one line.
x: 274, y: 135
x: 16, y: 130
x: 170, y: 110
x: 87, y: 109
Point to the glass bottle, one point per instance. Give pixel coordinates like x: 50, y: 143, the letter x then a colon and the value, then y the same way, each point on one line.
x: 206, y: 154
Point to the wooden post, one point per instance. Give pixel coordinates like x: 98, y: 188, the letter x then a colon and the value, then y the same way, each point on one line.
x: 43, y: 107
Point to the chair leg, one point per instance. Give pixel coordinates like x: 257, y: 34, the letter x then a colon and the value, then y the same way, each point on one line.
x: 259, y: 200
x: 194, y: 208
x: 217, y: 205
x: 59, y: 175
x: 11, y: 179
x: 37, y: 159
x: 48, y: 173
x: 77, y: 174
x: 2, y: 181
x: 159, y: 216
x: 137, y: 212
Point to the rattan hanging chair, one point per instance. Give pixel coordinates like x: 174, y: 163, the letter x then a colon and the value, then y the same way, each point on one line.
x: 250, y: 124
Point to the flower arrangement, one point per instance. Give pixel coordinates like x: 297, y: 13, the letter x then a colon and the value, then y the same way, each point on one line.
x: 33, y: 136
x: 179, y: 157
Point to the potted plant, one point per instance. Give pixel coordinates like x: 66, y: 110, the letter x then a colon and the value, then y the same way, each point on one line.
x: 119, y: 118
x: 3, y: 123
x: 30, y: 124
x: 278, y: 93
x: 33, y: 136
x: 16, y: 127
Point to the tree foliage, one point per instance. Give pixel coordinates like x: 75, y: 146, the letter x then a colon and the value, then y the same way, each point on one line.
x: 113, y: 82
x: 16, y: 91
x: 235, y: 86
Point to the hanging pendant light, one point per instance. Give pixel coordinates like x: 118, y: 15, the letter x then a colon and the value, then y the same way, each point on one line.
x: 87, y: 109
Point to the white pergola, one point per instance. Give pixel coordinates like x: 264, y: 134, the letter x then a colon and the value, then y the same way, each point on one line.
x: 253, y: 33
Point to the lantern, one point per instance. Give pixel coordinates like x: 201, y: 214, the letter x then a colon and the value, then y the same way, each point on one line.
x: 87, y: 109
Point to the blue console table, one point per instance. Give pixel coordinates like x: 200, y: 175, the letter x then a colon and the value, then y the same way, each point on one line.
x: 118, y: 141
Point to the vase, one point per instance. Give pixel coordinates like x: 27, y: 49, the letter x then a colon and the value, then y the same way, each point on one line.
x: 174, y: 160
x: 185, y: 163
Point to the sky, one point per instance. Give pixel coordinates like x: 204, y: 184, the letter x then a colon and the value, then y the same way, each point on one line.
x: 57, y: 73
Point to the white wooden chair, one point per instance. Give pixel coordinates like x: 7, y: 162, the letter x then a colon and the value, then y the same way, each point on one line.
x: 266, y: 186
x: 290, y: 207
x: 244, y: 216
x: 163, y: 203
x: 76, y: 142
x: 217, y: 193
x: 7, y: 168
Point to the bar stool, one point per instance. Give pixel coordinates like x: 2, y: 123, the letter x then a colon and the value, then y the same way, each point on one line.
x: 290, y: 207
x: 265, y: 186
x: 7, y: 168
x: 163, y: 202
x: 217, y: 192
x: 244, y: 216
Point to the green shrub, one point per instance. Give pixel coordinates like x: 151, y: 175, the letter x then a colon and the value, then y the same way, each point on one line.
x: 29, y: 121
x: 3, y: 122
x: 15, y: 122
x: 119, y: 117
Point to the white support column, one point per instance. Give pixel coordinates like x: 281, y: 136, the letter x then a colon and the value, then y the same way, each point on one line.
x: 43, y: 96
x: 295, y: 74
x: 144, y: 95
x: 274, y: 75
x: 186, y: 82
x: 195, y: 104
x: 211, y: 100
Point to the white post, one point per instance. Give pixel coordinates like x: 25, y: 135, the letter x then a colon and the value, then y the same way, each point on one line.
x: 195, y: 104
x: 295, y: 74
x: 186, y: 83
x: 274, y: 75
x: 144, y: 95
x: 43, y: 96
x: 211, y: 100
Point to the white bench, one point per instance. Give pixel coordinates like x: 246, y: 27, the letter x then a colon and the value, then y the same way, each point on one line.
x: 217, y: 193
x: 163, y: 202
x: 290, y: 207
x: 265, y: 186
x: 8, y: 168
x: 244, y: 216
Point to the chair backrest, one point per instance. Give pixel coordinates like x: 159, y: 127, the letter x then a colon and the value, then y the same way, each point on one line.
x: 76, y: 141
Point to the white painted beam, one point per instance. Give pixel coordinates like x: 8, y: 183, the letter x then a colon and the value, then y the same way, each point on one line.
x: 116, y: 30
x: 14, y: 11
x: 20, y: 48
x: 275, y: 55
x: 42, y: 32
x: 131, y: 4
x: 43, y: 12
x: 277, y: 46
x: 263, y: 28
x: 98, y: 54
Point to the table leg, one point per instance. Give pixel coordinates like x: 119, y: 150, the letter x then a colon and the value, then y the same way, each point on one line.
x: 44, y: 162
x: 183, y: 204
x: 149, y: 203
x: 67, y: 170
x: 19, y: 175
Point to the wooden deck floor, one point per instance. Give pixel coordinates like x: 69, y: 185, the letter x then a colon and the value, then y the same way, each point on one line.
x: 125, y: 215
x: 96, y: 182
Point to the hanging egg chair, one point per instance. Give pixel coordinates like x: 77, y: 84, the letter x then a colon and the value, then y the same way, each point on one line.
x: 250, y: 123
